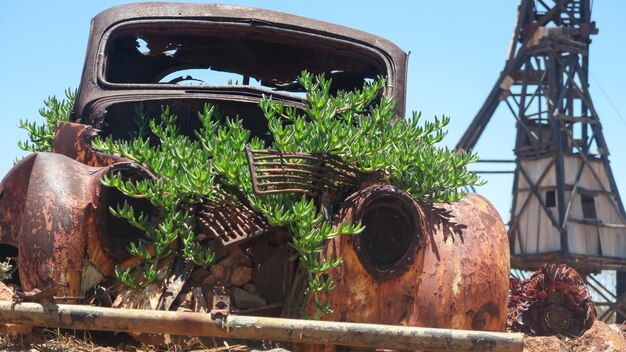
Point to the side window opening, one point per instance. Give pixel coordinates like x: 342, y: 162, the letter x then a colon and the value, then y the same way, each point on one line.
x: 550, y: 199
x: 589, y: 206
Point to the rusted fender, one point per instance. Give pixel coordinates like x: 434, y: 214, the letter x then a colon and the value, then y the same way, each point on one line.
x: 13, y: 191
x: 54, y: 210
x: 454, y: 275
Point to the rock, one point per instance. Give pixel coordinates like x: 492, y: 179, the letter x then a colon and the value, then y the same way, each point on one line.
x: 15, y: 329
x: 246, y: 300
x: 247, y: 259
x: 600, y: 337
x: 241, y: 276
x: 251, y: 288
x: 220, y: 272
x: 220, y: 251
x: 199, y: 275
x: 6, y: 294
x: 209, y: 281
x: 235, y: 257
x: 543, y: 343
x: 234, y: 270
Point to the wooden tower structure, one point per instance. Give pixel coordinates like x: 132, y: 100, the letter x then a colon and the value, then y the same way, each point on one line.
x: 566, y: 206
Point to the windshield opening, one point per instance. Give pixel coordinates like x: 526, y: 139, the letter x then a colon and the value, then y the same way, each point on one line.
x: 199, y: 55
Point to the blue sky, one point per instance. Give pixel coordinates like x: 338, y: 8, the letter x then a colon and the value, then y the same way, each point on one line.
x: 457, y: 51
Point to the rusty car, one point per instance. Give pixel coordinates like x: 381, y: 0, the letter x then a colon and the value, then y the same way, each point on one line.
x: 416, y: 264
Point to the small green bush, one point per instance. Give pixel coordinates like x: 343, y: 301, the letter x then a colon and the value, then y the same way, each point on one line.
x: 350, y: 125
x: 41, y: 136
x: 355, y: 126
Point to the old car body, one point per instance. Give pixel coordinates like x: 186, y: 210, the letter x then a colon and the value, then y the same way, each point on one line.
x: 422, y: 258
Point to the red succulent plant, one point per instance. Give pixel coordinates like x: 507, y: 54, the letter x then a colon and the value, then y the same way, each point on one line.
x: 554, y: 300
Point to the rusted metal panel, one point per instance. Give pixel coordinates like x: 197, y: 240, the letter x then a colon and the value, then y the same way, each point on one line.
x: 107, y: 246
x: 13, y: 190
x: 259, y: 328
x: 74, y: 141
x: 54, y: 210
x: 458, y: 279
x: 229, y: 219
x: 274, y: 172
x: 273, y: 268
x: 53, y: 232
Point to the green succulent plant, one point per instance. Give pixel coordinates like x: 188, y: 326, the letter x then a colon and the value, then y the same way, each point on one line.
x: 356, y: 126
x: 41, y: 136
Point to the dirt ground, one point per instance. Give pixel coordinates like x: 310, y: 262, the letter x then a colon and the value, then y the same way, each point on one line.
x: 601, y: 337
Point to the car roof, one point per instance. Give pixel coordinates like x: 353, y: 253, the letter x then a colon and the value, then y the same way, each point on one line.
x: 394, y: 57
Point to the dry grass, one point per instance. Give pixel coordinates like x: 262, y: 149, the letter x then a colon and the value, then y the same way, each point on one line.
x: 60, y: 340
x: 51, y: 340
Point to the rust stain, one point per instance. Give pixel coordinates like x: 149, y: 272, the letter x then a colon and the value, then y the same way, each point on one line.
x: 74, y: 141
x: 52, y: 210
x: 458, y: 279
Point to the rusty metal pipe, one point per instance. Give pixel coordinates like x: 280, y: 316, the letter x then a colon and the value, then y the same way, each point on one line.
x: 246, y: 327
